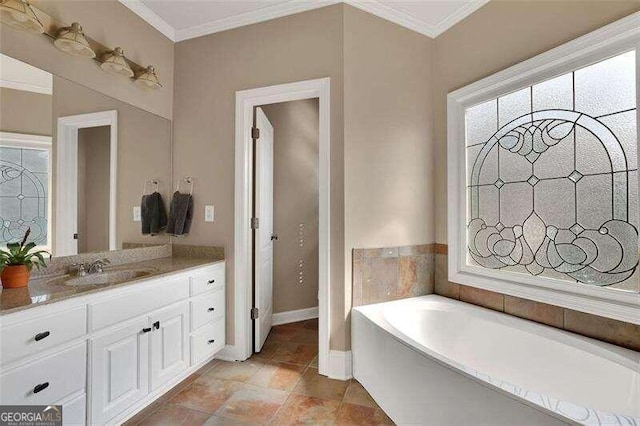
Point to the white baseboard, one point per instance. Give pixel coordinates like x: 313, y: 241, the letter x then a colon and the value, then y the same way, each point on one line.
x: 340, y: 365
x: 295, y: 316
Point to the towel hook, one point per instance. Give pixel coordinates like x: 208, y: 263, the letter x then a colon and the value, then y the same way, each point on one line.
x: 189, y: 181
x: 151, y: 182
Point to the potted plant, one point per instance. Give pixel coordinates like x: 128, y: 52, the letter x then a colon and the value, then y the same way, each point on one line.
x: 17, y: 261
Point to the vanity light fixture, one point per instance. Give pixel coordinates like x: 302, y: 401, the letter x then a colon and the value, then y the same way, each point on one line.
x: 19, y: 14
x: 71, y: 40
x: 148, y: 78
x: 114, y: 62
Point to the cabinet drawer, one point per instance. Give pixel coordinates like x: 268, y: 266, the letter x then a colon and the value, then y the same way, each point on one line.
x: 210, y: 278
x: 30, y: 337
x: 45, y: 381
x: 207, y: 307
x: 137, y: 302
x: 207, y: 341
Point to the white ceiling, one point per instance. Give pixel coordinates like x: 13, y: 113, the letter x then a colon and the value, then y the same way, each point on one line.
x: 184, y: 19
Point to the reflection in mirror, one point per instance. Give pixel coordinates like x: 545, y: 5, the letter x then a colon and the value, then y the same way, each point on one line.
x: 73, y: 163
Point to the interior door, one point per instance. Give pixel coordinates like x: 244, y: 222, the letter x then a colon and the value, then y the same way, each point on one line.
x: 169, y: 343
x: 263, y: 257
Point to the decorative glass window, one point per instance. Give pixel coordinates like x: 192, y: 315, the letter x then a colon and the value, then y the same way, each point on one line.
x: 542, y: 176
x: 552, y: 175
x: 25, y: 164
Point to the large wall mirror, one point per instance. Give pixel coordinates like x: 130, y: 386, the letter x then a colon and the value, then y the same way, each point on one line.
x: 74, y: 163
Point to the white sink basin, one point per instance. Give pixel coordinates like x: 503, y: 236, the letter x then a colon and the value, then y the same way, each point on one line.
x: 108, y: 277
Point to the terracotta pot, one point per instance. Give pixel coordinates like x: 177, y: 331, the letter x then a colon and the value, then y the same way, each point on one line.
x: 15, y: 276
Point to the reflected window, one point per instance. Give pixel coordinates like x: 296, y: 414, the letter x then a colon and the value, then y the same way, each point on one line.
x: 552, y: 180
x: 25, y: 164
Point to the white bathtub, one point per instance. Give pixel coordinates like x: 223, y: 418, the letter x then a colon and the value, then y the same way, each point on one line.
x: 438, y: 361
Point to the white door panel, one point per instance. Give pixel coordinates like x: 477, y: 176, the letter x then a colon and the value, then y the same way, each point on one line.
x: 264, y: 244
x: 169, y: 343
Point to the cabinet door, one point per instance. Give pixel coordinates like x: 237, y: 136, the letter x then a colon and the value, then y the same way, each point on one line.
x: 119, y: 370
x: 169, y: 343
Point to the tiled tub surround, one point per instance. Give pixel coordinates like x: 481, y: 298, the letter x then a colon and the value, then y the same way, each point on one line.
x: 506, y: 370
x: 392, y: 273
x: 608, y: 330
x: 46, y: 284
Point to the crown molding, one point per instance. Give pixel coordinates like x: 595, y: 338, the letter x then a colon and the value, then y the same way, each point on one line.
x: 291, y: 7
x: 253, y: 17
x: 143, y: 11
x: 464, y: 11
x: 393, y: 15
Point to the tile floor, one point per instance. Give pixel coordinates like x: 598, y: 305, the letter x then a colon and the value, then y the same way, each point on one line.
x: 279, y: 386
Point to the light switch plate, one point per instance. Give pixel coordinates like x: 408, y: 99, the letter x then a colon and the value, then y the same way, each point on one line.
x: 136, y: 214
x: 208, y: 213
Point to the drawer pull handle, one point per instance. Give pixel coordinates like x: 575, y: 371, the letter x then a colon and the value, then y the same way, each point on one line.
x: 41, y: 336
x: 41, y: 387
x: 211, y: 309
x: 156, y: 325
x: 146, y: 329
x: 211, y: 281
x: 211, y: 341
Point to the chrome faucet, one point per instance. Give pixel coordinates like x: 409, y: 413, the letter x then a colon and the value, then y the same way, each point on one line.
x: 97, y: 266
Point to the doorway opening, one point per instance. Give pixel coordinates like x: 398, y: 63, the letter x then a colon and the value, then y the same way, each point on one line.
x: 285, y: 236
x: 86, y: 145
x: 247, y: 102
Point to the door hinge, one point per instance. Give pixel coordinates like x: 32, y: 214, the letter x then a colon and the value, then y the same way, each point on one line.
x: 255, y: 313
x: 255, y: 133
x: 255, y: 223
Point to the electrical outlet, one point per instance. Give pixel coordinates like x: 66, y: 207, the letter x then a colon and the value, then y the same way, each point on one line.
x: 208, y: 213
x: 136, y: 214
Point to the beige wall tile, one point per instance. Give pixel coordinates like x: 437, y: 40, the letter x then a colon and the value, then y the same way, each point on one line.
x: 534, y: 311
x: 480, y: 297
x: 606, y: 329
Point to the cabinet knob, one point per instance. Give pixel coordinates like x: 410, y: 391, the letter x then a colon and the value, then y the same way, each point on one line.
x: 41, y: 387
x: 211, y: 281
x: 211, y: 341
x: 156, y: 325
x: 211, y: 309
x: 146, y: 329
x: 41, y: 336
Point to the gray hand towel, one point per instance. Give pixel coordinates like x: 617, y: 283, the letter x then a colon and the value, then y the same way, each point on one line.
x: 152, y: 214
x: 180, y: 214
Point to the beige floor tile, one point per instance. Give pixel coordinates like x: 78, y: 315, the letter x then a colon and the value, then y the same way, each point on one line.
x: 278, y: 376
x: 238, y: 371
x: 253, y: 404
x: 296, y: 353
x: 358, y: 415
x: 358, y: 395
x: 306, y: 410
x: 207, y: 394
x: 175, y: 415
x: 313, y: 384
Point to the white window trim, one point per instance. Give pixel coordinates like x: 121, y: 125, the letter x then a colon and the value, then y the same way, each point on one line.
x: 608, y: 41
x: 27, y: 141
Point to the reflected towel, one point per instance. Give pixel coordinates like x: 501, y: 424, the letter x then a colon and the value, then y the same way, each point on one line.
x: 153, y: 215
x: 180, y: 214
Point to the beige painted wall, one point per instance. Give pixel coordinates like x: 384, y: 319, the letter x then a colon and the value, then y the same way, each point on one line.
x: 389, y: 150
x: 295, y: 202
x: 93, y: 188
x: 497, y: 36
x: 144, y: 151
x: 25, y: 112
x: 209, y: 70
x: 111, y: 24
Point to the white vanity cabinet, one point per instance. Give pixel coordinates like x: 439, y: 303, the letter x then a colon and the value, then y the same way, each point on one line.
x: 109, y: 354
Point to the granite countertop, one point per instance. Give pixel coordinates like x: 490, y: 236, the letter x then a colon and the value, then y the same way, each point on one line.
x: 45, y: 289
